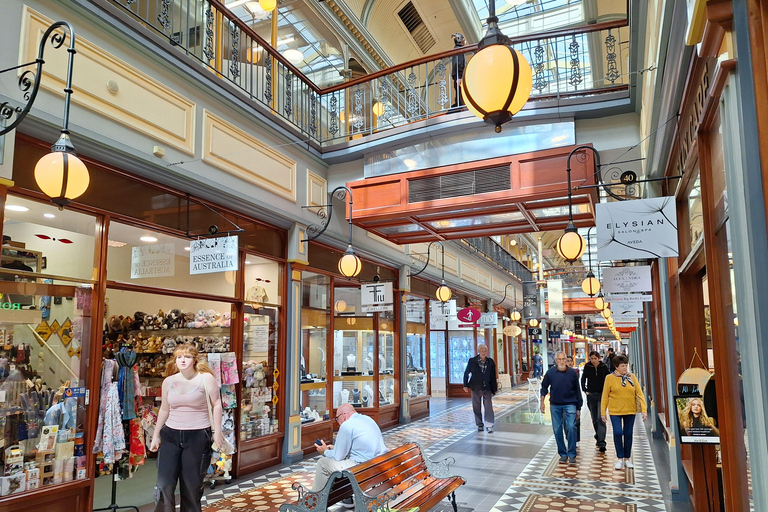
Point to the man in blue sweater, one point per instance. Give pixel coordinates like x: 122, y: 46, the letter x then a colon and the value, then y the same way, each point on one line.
x: 562, y: 385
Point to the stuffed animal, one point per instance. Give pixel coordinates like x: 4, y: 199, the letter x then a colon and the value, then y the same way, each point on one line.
x: 249, y: 374
x: 226, y: 319
x: 260, y: 376
x: 169, y: 345
x: 175, y: 319
x: 160, y: 321
x: 126, y: 323
x: 214, y: 318
x: 200, y: 320
x: 138, y: 321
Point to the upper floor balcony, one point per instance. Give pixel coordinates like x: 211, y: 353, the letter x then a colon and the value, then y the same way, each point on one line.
x: 584, y: 64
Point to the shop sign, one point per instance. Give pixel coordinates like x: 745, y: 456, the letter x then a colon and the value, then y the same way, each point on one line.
x: 44, y: 330
x: 440, y: 312
x: 555, y: 334
x: 555, y: 292
x: 626, y: 306
x: 210, y: 255
x: 534, y: 331
x: 8, y: 305
x: 638, y: 229
x: 78, y: 392
x: 627, y: 279
x: 152, y: 261
x: 489, y: 320
x: 509, y: 330
x: 376, y: 297
x: 619, y: 298
x: 468, y: 316
x: 577, y: 324
x: 600, y: 338
x: 530, y: 300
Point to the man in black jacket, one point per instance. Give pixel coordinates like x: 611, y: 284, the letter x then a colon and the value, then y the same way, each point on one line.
x: 609, y: 360
x: 480, y: 378
x: 458, y: 63
x: 592, y: 380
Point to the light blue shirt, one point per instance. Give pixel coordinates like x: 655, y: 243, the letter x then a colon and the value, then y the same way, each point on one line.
x: 359, y: 439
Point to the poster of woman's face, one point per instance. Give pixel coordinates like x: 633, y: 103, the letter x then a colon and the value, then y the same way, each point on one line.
x: 695, y: 425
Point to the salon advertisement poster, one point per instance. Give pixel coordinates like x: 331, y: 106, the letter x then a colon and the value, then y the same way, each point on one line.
x: 695, y: 423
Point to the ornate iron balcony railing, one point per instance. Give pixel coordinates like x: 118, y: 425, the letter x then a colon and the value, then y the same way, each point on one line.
x: 574, y: 62
x: 497, y: 254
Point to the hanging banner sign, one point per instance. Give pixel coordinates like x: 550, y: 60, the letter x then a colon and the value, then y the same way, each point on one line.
x: 534, y: 331
x: 577, y: 324
x: 637, y: 229
x: 626, y: 316
x: 152, y: 261
x: 619, y: 298
x: 211, y: 255
x: 627, y: 279
x: 439, y: 312
x: 376, y: 298
x: 626, y: 307
x: 530, y: 300
x: 489, y: 320
x: 468, y: 315
x: 555, y: 291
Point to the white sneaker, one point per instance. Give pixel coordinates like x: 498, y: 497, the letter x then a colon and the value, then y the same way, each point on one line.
x: 619, y: 464
x: 628, y: 464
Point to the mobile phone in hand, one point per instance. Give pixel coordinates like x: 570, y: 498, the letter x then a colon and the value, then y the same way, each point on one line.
x: 318, y: 442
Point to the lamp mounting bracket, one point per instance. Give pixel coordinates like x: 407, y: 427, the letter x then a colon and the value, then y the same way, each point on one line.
x: 213, y: 230
x: 325, y: 213
x: 29, y: 81
x: 429, y: 253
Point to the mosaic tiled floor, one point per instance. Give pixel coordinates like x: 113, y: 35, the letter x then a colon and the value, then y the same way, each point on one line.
x: 536, y: 502
x: 433, y: 433
x: 593, y: 480
x: 267, y: 496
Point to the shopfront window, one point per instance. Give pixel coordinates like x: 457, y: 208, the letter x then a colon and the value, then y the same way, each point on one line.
x: 416, y: 345
x: 387, y: 357
x: 258, y: 410
x: 46, y: 306
x: 461, y: 347
x: 353, y: 351
x: 695, y: 217
x: 142, y: 256
x: 315, y: 318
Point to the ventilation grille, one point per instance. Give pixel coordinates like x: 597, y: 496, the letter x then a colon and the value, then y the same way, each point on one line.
x: 416, y: 27
x: 460, y: 184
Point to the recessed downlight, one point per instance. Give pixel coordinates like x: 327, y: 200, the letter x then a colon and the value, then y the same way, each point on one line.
x: 148, y: 239
x: 187, y: 248
x: 247, y: 262
x: 16, y: 208
x: 49, y: 216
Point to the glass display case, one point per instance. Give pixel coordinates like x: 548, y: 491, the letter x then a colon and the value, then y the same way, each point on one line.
x: 386, y: 358
x: 461, y: 346
x: 314, y: 335
x: 416, y: 347
x: 353, y: 364
x: 258, y: 411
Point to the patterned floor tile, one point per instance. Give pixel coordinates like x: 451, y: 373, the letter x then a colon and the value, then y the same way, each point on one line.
x: 537, y: 502
x: 267, y: 496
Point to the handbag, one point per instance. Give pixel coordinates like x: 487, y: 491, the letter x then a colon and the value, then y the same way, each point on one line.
x: 638, y: 400
x: 227, y: 448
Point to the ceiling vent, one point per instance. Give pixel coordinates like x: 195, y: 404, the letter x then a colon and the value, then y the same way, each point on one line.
x: 459, y: 184
x: 416, y: 27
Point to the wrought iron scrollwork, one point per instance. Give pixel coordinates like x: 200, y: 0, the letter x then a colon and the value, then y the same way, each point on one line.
x: 268, y: 78
x: 333, y: 110
x: 386, y: 96
x: 234, y: 64
x: 288, y: 93
x: 359, y: 120
x: 325, y: 213
x: 208, y: 47
x: 539, y: 80
x: 413, y: 101
x: 610, y: 55
x: 29, y: 81
x: 312, y: 113
x: 163, y: 18
x: 576, y: 77
x: 442, y: 85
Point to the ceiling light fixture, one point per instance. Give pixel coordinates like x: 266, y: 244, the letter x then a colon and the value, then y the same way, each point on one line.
x: 16, y: 208
x: 443, y: 292
x: 148, y: 238
x: 49, y: 216
x: 293, y: 55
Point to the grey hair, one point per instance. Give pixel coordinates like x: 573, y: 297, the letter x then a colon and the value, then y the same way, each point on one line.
x: 481, y: 345
x: 560, y: 352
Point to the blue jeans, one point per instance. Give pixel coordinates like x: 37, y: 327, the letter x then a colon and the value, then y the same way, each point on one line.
x: 537, y: 371
x: 567, y: 412
x: 622, y: 436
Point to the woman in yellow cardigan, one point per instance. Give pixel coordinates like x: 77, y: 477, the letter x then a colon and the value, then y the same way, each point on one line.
x: 622, y: 397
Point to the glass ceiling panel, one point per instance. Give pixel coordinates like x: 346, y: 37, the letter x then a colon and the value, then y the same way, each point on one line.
x: 480, y: 220
x: 407, y: 228
x: 301, y: 38
x: 546, y: 213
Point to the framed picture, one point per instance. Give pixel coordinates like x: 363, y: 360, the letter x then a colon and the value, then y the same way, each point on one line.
x: 694, y: 423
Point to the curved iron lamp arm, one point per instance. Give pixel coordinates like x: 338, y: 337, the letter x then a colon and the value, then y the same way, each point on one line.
x: 429, y: 254
x: 326, y: 213
x: 589, y: 247
x: 599, y: 177
x: 514, y: 290
x: 31, y: 79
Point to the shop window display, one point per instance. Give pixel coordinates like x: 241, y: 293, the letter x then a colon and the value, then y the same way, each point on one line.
x: 258, y: 412
x: 461, y: 346
x: 313, y: 359
x: 416, y: 346
x: 44, y: 333
x: 353, y: 351
x: 386, y: 358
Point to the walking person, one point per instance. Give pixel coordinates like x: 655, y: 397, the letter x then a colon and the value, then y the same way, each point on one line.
x: 592, y: 381
x: 622, y: 399
x: 565, y: 401
x: 183, y: 432
x: 569, y: 362
x: 538, y: 366
x: 480, y: 378
x: 609, y: 360
x: 458, y: 64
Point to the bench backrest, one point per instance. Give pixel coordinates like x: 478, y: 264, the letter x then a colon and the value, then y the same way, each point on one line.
x: 394, y: 471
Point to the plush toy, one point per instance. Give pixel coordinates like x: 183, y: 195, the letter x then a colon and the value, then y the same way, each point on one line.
x: 112, y: 329
x: 249, y: 374
x: 200, y: 320
x: 149, y: 322
x: 260, y: 376
x: 169, y: 345
x: 126, y: 323
x: 77, y: 328
x: 175, y: 319
x: 138, y: 321
x: 226, y: 319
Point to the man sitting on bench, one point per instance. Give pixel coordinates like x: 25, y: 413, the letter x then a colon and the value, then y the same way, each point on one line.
x: 359, y: 440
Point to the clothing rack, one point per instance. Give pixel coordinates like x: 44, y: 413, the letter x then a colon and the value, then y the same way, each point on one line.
x: 113, y: 506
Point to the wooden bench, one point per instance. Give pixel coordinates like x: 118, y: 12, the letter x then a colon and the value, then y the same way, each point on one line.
x: 402, y: 479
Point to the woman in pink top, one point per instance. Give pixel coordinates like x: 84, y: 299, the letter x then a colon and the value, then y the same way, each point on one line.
x: 183, y: 432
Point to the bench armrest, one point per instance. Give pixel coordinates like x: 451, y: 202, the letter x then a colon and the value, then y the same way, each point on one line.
x: 309, y: 501
x: 365, y: 503
x: 441, y: 468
